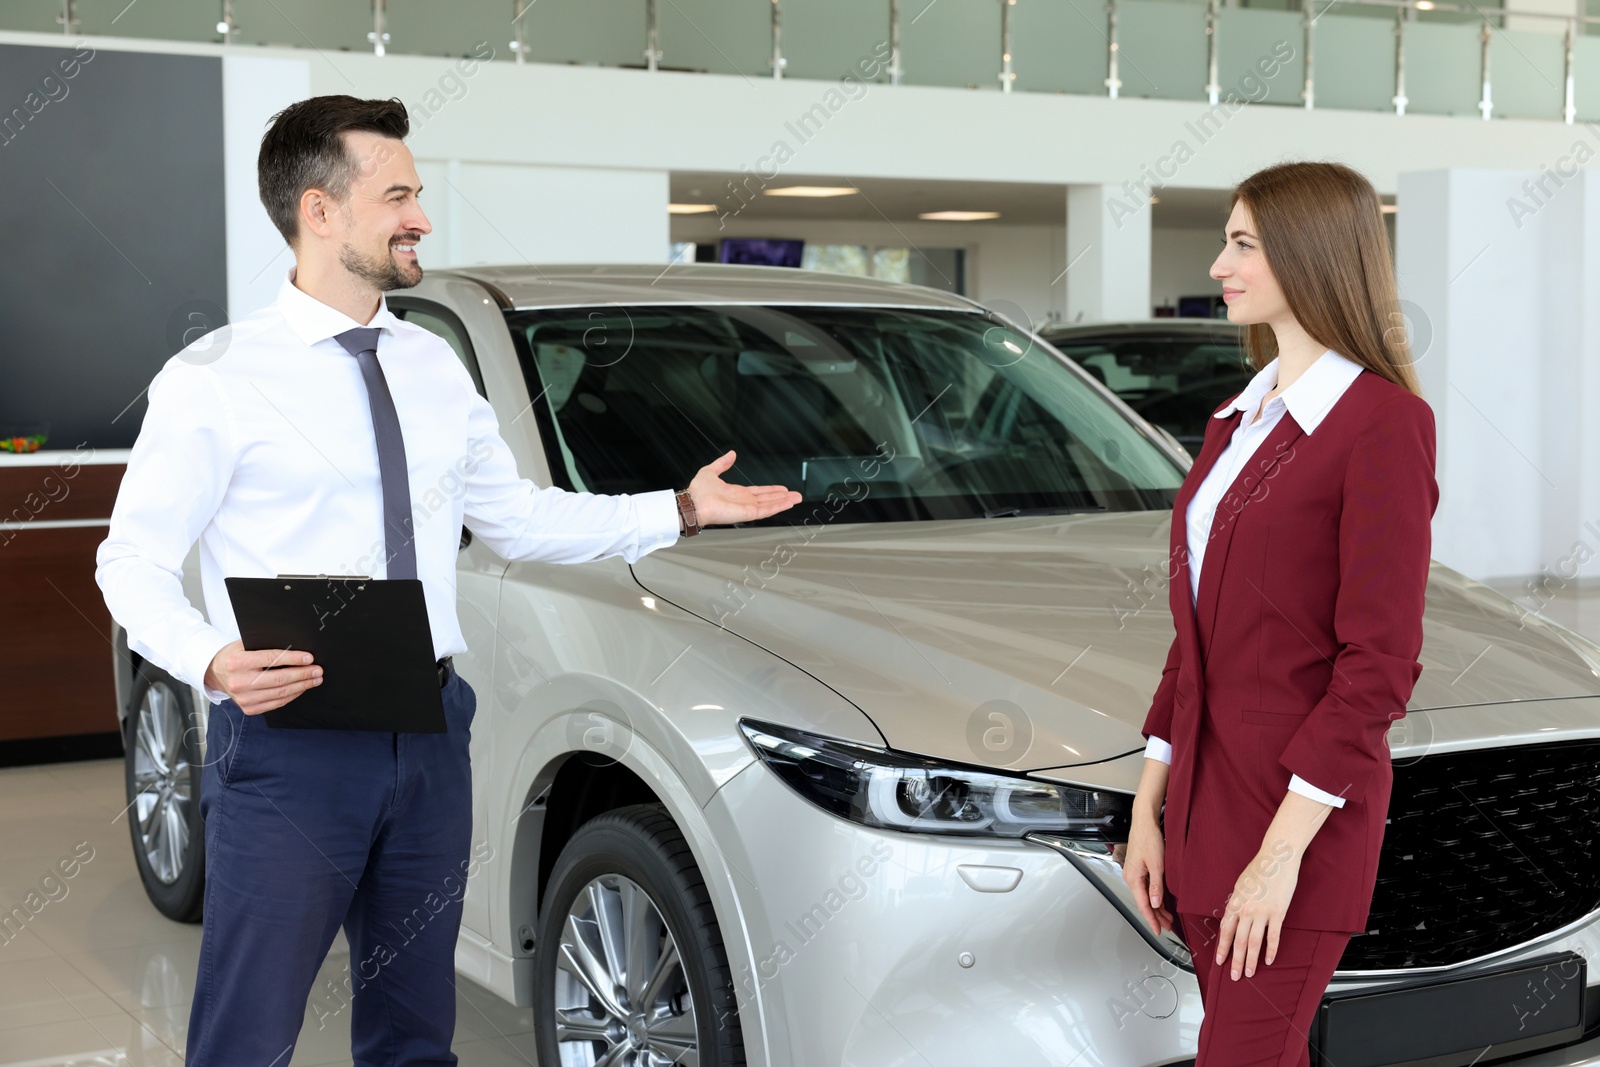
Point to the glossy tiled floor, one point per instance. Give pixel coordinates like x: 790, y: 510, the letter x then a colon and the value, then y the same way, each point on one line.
x: 99, y: 977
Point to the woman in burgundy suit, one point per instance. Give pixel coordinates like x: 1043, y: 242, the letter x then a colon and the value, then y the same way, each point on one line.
x: 1299, y: 562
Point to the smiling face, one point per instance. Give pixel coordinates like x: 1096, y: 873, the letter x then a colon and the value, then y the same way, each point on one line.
x: 1248, y: 286
x: 376, y: 226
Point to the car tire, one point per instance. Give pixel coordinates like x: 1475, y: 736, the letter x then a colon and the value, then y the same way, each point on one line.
x: 632, y: 861
x: 161, y: 772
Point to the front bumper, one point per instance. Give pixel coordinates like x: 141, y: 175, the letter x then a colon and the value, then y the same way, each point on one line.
x: 862, y: 946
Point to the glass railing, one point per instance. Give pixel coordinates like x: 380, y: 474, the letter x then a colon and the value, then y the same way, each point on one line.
x: 1399, y: 56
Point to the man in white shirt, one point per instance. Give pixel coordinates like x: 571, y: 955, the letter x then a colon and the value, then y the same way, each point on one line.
x: 311, y: 437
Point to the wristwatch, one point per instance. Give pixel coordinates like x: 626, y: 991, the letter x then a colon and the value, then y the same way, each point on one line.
x: 688, y: 522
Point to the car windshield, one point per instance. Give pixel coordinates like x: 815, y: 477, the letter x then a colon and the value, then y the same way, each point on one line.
x: 1175, y: 382
x: 900, y: 414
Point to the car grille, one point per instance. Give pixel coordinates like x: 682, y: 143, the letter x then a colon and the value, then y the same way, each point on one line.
x: 1484, y: 850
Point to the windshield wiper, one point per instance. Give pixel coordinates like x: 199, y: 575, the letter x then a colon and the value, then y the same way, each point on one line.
x: 996, y: 513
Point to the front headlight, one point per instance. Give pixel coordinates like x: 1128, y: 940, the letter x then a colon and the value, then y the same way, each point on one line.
x: 916, y: 794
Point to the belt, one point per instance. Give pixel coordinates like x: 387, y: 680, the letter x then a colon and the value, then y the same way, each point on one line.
x: 446, y: 668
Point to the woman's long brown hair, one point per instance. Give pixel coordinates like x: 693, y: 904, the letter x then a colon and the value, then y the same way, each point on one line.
x: 1321, y: 229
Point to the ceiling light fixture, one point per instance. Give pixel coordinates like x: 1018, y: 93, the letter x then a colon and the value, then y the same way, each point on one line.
x: 812, y: 190
x: 958, y: 216
x: 690, y: 209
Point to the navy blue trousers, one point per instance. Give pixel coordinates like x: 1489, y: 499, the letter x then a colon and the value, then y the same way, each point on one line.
x: 310, y: 830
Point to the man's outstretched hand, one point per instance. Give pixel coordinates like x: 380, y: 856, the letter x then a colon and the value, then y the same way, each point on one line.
x: 717, y: 502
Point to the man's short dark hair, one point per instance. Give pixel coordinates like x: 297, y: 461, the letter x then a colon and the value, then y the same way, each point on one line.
x: 304, y: 149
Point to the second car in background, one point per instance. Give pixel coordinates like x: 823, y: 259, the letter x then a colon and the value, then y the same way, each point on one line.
x: 1173, y: 372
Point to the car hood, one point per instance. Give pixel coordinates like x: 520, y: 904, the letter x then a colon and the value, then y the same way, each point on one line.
x: 1036, y: 642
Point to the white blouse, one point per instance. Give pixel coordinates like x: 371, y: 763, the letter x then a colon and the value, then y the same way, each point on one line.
x: 1307, y: 401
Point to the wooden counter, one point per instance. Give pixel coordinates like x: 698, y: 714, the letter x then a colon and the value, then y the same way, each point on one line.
x: 55, y: 652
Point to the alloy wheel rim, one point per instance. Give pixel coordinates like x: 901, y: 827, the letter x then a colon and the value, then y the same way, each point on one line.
x: 162, y: 799
x: 622, y: 997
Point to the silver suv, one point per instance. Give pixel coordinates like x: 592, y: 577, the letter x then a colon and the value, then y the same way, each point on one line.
x: 843, y: 786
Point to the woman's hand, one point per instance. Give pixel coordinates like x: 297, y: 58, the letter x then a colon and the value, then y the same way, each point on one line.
x: 1256, y: 907
x: 1260, y: 898
x: 1142, y: 870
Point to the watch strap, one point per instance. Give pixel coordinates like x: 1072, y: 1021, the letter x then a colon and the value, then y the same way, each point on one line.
x: 688, y: 521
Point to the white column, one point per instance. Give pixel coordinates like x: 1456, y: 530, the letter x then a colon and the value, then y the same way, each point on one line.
x: 254, y: 88
x: 1570, y: 379
x: 1108, y: 252
x: 1500, y: 271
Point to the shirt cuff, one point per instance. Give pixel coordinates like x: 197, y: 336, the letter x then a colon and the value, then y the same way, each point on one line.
x: 1157, y: 749
x: 198, y: 653
x: 1299, y: 785
x: 658, y: 518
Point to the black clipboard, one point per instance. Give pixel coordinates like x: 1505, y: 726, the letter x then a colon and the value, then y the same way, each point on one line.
x: 371, y: 637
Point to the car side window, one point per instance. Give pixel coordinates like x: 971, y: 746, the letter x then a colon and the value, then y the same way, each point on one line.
x: 443, y: 322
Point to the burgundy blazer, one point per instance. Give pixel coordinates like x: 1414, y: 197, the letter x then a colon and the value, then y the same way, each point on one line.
x: 1300, y: 649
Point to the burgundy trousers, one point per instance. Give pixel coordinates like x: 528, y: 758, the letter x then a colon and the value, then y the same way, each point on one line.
x: 1264, y: 1020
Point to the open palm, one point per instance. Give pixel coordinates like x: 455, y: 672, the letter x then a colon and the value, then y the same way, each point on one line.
x: 717, y: 502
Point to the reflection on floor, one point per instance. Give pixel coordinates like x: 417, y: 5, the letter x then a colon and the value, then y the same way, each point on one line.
x: 98, y: 977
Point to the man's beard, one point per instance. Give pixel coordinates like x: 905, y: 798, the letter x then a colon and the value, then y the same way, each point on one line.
x: 382, y: 271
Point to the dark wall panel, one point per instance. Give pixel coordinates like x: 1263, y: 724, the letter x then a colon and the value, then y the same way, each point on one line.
x: 111, y: 214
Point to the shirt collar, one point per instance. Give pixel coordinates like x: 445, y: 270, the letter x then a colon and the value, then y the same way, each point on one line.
x: 313, y: 321
x: 1311, y: 395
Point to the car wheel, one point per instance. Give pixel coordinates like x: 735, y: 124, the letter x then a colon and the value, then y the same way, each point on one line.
x: 630, y: 968
x: 162, y: 775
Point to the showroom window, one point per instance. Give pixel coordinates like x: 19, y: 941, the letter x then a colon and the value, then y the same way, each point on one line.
x: 937, y: 268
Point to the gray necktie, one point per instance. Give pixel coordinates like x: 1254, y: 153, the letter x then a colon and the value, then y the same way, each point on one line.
x: 362, y: 343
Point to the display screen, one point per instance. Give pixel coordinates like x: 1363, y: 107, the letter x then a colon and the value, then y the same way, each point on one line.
x: 761, y: 252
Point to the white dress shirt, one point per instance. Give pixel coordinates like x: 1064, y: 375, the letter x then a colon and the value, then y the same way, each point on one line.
x: 258, y: 442
x: 1307, y: 401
